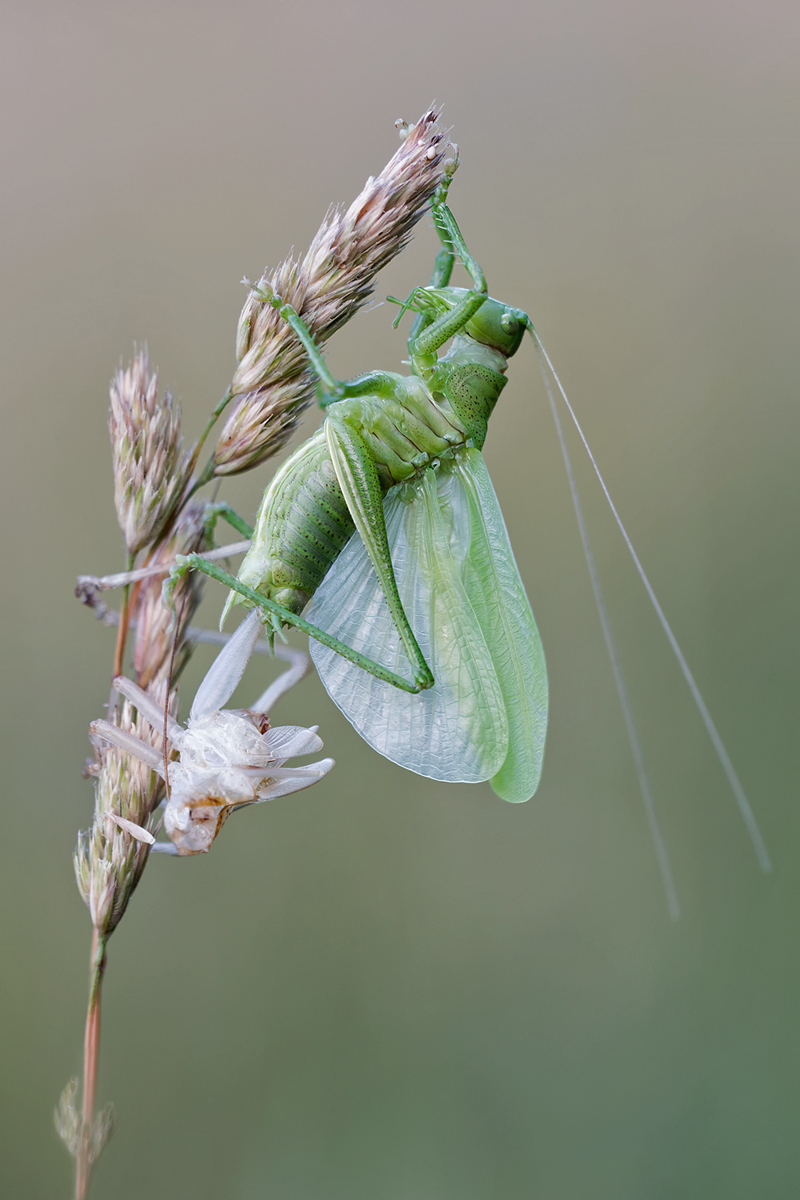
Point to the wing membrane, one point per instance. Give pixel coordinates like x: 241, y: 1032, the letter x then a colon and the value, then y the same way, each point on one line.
x: 456, y: 731
x: 496, y: 591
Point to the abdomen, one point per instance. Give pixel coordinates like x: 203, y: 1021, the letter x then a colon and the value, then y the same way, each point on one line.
x: 302, y: 527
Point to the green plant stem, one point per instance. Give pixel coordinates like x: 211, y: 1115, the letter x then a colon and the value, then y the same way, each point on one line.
x: 223, y: 404
x: 205, y: 476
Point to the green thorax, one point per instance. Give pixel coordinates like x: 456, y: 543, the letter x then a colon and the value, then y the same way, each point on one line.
x: 470, y: 377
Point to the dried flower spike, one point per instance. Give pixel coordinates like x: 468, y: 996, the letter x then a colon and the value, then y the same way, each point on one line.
x: 326, y: 288
x: 109, y: 859
x: 150, y: 473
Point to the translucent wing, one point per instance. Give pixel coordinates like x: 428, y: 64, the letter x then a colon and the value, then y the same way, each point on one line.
x: 456, y: 731
x: 498, y: 597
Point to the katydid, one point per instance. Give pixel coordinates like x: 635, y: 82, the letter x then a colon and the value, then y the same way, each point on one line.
x: 430, y: 581
x: 475, y: 707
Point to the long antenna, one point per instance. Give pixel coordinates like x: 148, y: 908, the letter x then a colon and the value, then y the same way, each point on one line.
x: 619, y: 678
x: 722, y: 754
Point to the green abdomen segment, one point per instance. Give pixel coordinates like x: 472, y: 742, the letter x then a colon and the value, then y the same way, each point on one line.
x: 302, y: 527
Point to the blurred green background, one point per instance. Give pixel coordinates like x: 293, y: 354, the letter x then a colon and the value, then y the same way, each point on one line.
x: 385, y: 988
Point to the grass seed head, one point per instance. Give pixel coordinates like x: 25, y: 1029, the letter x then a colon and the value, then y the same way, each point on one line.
x: 108, y: 860
x: 150, y: 471
x: 326, y: 288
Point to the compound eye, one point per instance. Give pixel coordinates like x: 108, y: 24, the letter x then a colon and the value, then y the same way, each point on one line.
x: 509, y: 323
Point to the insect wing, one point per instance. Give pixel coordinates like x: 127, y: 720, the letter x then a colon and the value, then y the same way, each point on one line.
x: 457, y: 730
x: 498, y: 597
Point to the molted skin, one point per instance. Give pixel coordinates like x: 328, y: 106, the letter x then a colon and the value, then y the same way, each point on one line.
x: 226, y: 758
x: 407, y: 423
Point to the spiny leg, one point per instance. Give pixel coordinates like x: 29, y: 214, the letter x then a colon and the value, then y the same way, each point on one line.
x: 420, y: 300
x: 442, y: 267
x: 442, y: 270
x: 373, y: 383
x: 358, y: 479
x: 434, y: 334
x: 278, y: 615
x: 443, y: 328
x: 436, y: 322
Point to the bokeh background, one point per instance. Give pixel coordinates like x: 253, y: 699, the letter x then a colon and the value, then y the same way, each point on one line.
x: 385, y: 988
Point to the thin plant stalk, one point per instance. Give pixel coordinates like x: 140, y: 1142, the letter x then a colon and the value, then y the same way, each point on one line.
x: 124, y: 618
x: 91, y: 1053
x: 212, y: 420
